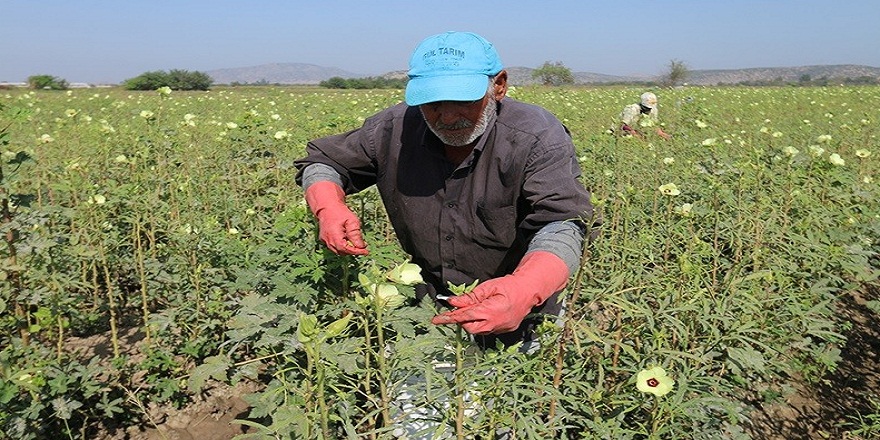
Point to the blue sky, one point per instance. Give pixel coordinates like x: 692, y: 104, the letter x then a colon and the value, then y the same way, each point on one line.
x: 109, y: 41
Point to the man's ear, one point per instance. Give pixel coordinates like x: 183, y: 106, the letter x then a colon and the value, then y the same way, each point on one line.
x: 499, y: 85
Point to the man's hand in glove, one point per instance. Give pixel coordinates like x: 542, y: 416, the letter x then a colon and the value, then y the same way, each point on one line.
x: 340, y: 229
x: 499, y: 305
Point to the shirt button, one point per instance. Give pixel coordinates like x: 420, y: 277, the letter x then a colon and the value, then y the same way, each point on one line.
x: 448, y: 238
x: 450, y: 205
x: 449, y: 265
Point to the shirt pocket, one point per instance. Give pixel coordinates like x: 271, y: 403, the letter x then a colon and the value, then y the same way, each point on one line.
x: 494, y: 226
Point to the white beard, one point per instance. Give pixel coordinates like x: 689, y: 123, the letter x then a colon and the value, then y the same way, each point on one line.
x: 465, y: 138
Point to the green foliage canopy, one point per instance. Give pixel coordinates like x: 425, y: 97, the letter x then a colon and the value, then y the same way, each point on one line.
x: 553, y: 74
x: 363, y: 83
x: 47, y: 82
x: 176, y: 79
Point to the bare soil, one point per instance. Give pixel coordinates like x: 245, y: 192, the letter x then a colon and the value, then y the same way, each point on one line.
x: 210, y: 416
x: 827, y: 410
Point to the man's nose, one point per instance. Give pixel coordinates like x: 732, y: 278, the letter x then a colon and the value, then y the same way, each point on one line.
x: 447, y: 112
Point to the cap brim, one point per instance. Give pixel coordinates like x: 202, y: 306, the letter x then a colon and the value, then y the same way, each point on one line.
x: 422, y: 90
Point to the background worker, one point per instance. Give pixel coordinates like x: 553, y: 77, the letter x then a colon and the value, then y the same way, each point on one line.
x: 644, y: 114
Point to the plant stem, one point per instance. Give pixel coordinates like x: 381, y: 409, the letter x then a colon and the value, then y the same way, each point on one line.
x: 139, y: 256
x: 346, y: 278
x: 195, y: 279
x: 459, y: 384
x: 322, y: 402
x: 13, y: 275
x: 368, y: 350
x: 567, y: 332
x: 380, y: 358
x: 716, y: 252
x: 655, y: 418
x: 59, y: 320
x: 114, y: 333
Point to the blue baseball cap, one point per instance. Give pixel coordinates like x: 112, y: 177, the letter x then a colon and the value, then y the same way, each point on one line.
x: 452, y: 66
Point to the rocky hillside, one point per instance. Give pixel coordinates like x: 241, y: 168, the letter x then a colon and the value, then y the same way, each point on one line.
x: 297, y: 73
x: 279, y: 73
x: 785, y: 74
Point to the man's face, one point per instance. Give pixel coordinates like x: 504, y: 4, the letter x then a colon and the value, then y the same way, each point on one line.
x: 459, y: 123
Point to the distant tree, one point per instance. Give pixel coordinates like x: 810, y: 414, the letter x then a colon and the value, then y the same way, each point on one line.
x: 553, y: 74
x: 862, y: 80
x: 47, y: 82
x: 337, y: 82
x: 676, y: 73
x: 147, y: 81
x: 176, y: 79
x: 186, y: 80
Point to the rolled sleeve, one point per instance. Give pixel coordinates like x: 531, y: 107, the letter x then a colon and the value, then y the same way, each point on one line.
x: 318, y: 172
x: 564, y: 239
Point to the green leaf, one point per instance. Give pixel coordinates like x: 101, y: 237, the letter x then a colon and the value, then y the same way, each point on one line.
x: 214, y: 367
x: 746, y: 360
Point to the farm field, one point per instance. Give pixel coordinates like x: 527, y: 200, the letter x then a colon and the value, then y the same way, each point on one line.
x: 162, y: 275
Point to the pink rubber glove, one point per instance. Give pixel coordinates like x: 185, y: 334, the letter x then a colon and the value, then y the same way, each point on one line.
x: 499, y: 305
x: 340, y: 228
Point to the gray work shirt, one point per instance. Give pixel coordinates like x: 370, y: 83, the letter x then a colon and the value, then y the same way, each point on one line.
x: 468, y: 222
